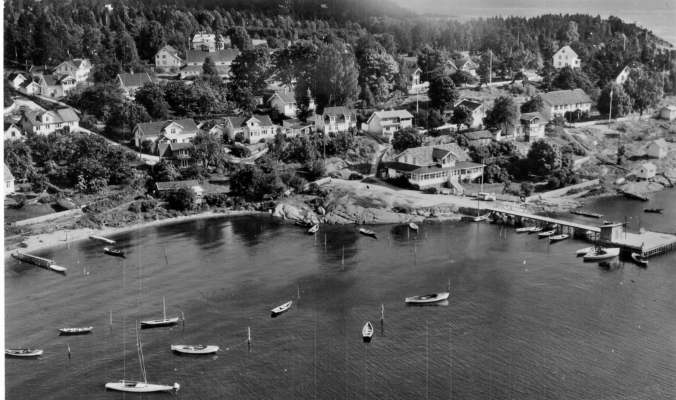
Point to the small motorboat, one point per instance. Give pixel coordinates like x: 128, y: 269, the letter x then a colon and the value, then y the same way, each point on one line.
x: 482, y: 217
x: 536, y: 230
x: 584, y: 251
x: 413, y: 226
x: 23, y: 352
x: 556, y: 238
x: 313, y: 230
x: 114, y: 253
x: 367, y: 233
x: 194, y: 349
x: 278, y: 310
x: 160, y: 322
x: 546, y: 233
x: 75, y: 331
x: 601, y: 253
x: 428, y: 298
x: 639, y: 259
x: 367, y: 332
x: 524, y: 230
x: 102, y: 239
x: 653, y: 210
x: 57, y: 268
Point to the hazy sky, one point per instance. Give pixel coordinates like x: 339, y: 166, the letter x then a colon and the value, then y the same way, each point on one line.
x: 658, y: 16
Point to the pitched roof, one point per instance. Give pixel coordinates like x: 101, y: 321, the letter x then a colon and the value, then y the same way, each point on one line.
x: 79, y: 61
x: 28, y: 82
x: 459, y: 63
x: 530, y: 116
x: 566, y: 49
x: 53, y: 80
x: 134, y: 80
x: 9, y: 125
x: 415, y: 169
x: 659, y: 142
x: 14, y: 75
x: 426, y: 154
x: 393, y: 114
x: 671, y: 108
x: 170, y: 50
x: 237, y: 122
x: 173, y: 147
x: 69, y: 63
x: 469, y: 103
x: 618, y: 70
x: 222, y: 69
x: 177, y: 185
x: 648, y: 165
x: 40, y: 68
x: 478, y: 135
x: 286, y: 97
x: 60, y: 116
x: 338, y: 112
x: 225, y: 55
x: 155, y: 128
x: 563, y: 97
x: 8, y: 174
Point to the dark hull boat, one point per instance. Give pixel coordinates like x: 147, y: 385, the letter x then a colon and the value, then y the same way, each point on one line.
x: 653, y: 210
x: 114, y: 253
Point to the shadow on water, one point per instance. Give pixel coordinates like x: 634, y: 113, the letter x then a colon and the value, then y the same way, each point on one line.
x: 439, y: 304
x: 76, y: 333
x: 146, y: 327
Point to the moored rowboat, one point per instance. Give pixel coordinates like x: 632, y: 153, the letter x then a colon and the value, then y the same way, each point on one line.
x: 556, y: 238
x: 114, y: 253
x: 653, y: 210
x: 367, y: 332
x: 314, y: 229
x: 639, y: 259
x: 602, y: 253
x: 23, y: 352
x: 194, y: 349
x: 536, y: 230
x: 367, y: 233
x: 413, y: 226
x: 57, y: 268
x: 584, y: 251
x: 282, y: 308
x: 102, y: 239
x: 76, y: 330
x: 428, y: 298
x: 482, y: 217
x: 546, y: 233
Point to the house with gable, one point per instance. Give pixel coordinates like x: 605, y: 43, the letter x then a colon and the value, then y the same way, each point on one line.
x: 16, y: 79
x: 566, y: 56
x: 253, y: 128
x: 46, y: 122
x: 293, y: 127
x: 413, y: 73
x: 172, y: 131
x: 478, y: 138
x: 177, y: 153
x: 39, y: 70
x: 462, y: 64
x: 646, y: 171
x: 385, y: 123
x: 336, y: 119
x: 207, y: 41
x: 130, y: 82
x: 168, y: 57
x: 286, y: 103
x: 562, y: 101
x: 668, y: 113
x: 195, y: 60
x: 657, y: 149
x: 9, y: 181
x: 12, y: 132
x: 56, y: 86
x: 77, y: 68
x: 621, y: 74
x: 474, y: 105
x: 30, y: 86
x: 532, y: 126
x: 437, y: 165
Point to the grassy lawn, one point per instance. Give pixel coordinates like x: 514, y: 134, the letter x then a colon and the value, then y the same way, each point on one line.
x: 30, y: 211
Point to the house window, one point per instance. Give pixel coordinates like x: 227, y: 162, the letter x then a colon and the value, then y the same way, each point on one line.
x: 164, y: 62
x: 164, y: 56
x: 7, y: 184
x: 559, y: 57
x: 173, y: 131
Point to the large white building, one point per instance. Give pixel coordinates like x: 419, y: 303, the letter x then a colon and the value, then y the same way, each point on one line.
x: 172, y: 131
x: 385, y: 123
x: 46, y: 122
x: 168, y: 57
x: 562, y: 101
x: 566, y: 57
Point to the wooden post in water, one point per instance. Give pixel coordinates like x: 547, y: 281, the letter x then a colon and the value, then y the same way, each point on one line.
x: 449, y: 285
x: 166, y: 259
x: 343, y: 262
x: 298, y: 292
x: 325, y: 240
x: 248, y: 340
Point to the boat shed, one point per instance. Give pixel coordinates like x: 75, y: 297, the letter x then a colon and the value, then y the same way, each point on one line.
x: 646, y: 171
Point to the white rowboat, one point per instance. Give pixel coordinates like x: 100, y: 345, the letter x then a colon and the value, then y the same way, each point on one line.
x: 602, y: 253
x: 57, y: 268
x: 482, y: 218
x: 558, y: 237
x: 161, y: 322
x: 367, y: 332
x: 428, y: 298
x: 413, y: 226
x: 367, y: 233
x: 194, y: 349
x: 313, y: 230
x: 547, y: 233
x: 536, y: 230
x: 522, y: 230
x: 639, y: 259
x: 282, y: 308
x: 23, y: 352
x: 76, y: 330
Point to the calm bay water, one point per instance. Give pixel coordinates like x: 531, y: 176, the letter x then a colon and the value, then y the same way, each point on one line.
x: 525, y: 319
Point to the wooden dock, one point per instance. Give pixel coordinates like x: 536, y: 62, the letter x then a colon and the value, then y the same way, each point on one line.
x: 546, y: 220
x: 42, y: 262
x: 647, y: 244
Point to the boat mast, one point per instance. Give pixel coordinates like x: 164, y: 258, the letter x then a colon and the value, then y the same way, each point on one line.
x: 164, y: 308
x: 140, y: 355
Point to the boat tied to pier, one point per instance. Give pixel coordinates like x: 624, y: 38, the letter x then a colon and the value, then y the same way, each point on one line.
x: 482, y: 217
x: 639, y: 259
x: 601, y: 253
x: 546, y: 233
x: 586, y: 214
x: 557, y: 238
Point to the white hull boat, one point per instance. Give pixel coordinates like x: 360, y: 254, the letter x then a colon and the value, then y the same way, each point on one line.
x: 547, y: 233
x: 602, y: 254
x: 482, y: 218
x: 584, y: 251
x: 57, y: 268
x: 282, y: 308
x: 558, y: 237
x: 367, y: 332
x: 194, y: 349
x: 429, y: 298
x: 140, y: 387
x: 76, y: 330
x: 536, y: 230
x: 413, y: 226
x: 367, y: 233
x: 160, y: 322
x: 102, y: 239
x: 524, y: 230
x: 23, y: 352
x: 313, y: 230
x: 639, y: 259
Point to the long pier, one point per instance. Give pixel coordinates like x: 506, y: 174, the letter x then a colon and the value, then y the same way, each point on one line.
x: 43, y: 262
x: 545, y: 220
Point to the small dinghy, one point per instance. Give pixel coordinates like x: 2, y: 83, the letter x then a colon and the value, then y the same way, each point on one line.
x: 535, y: 230
x: 367, y: 332
x: 428, y: 298
x: 57, y: 268
x: 482, y: 218
x: 639, y: 259
x: 367, y: 233
x: 278, y: 310
x: 524, y: 230
x: 546, y: 233
x: 313, y: 230
x: 653, y: 210
x: 75, y: 331
x: 160, y: 322
x: 23, y: 352
x: 584, y: 251
x: 557, y: 238
x: 413, y: 226
x: 114, y: 253
x: 601, y: 253
x: 194, y: 349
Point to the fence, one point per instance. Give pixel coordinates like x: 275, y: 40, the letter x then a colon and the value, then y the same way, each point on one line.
x: 47, y: 217
x: 560, y: 192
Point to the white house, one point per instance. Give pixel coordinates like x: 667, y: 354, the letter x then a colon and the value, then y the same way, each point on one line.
x: 668, y: 113
x: 336, y: 119
x: 77, y: 68
x: 12, y: 132
x: 565, y: 57
x: 621, y: 74
x: 253, y: 128
x: 130, y: 82
x: 462, y: 64
x: 475, y: 106
x: 168, y: 57
x: 9, y: 181
x: 16, y: 79
x: 532, y: 126
x: 413, y: 73
x: 286, y: 103
x: 46, y: 122
x: 646, y: 171
x: 30, y: 86
x: 56, y: 86
x: 434, y: 165
x: 195, y: 61
x: 561, y: 101
x: 165, y: 187
x: 657, y: 149
x: 207, y: 41
x: 385, y: 123
x: 172, y: 131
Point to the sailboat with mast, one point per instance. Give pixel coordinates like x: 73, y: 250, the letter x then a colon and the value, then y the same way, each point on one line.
x: 160, y: 322
x: 138, y: 386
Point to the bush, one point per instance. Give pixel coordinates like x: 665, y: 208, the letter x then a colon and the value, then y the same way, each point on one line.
x: 263, y: 140
x: 355, y: 176
x: 431, y: 190
x: 527, y: 189
x: 181, y: 199
x: 218, y: 200
x: 240, y: 151
x: 400, y: 181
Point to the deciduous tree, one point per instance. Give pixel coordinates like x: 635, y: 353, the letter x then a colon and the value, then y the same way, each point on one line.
x: 406, y: 138
x: 462, y: 116
x: 644, y: 90
x: 151, y: 97
x: 441, y: 91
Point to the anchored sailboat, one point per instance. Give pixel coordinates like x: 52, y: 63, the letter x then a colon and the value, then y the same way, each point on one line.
x: 160, y: 322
